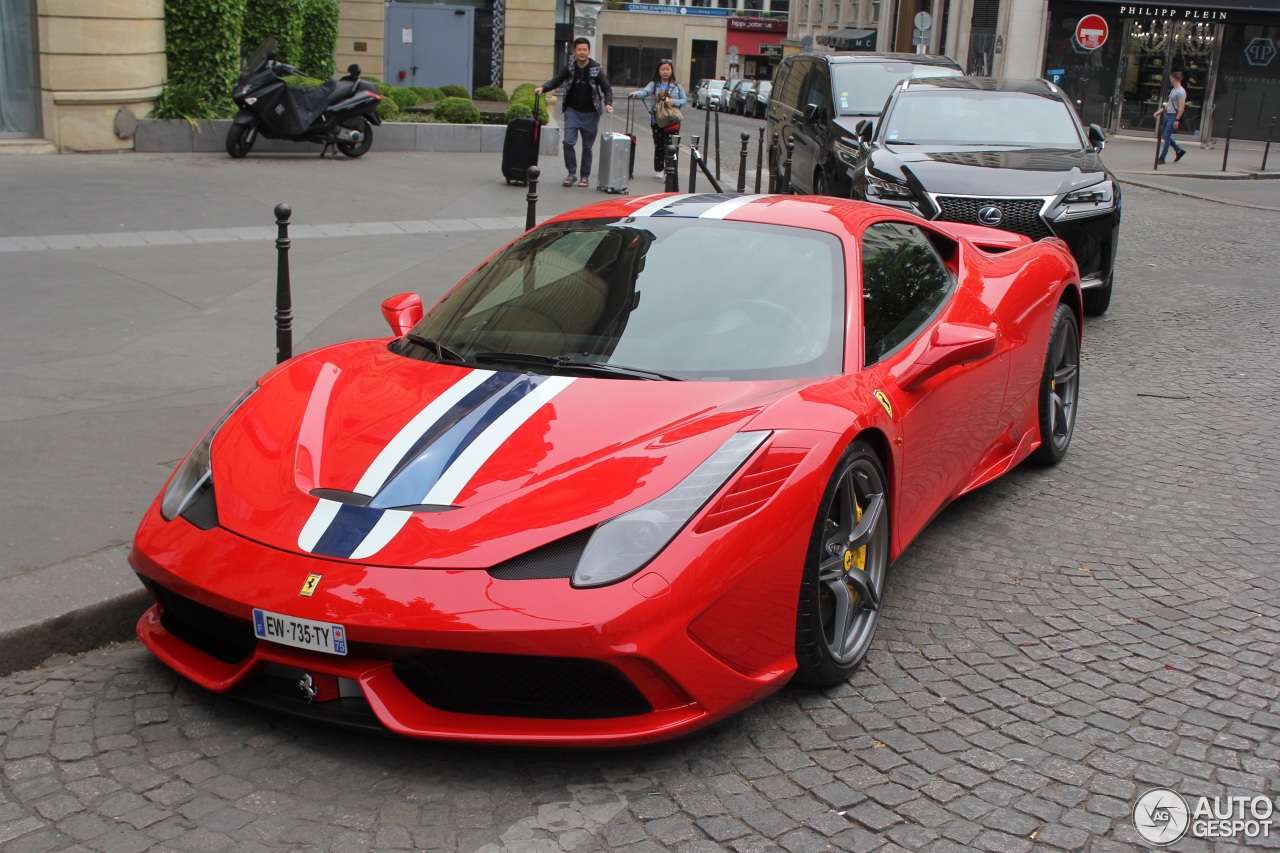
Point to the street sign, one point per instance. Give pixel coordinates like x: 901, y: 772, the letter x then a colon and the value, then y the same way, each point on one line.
x: 923, y: 20
x: 920, y: 37
x: 1091, y: 32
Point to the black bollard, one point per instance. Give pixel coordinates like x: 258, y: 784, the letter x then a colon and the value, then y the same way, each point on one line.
x: 673, y: 180
x: 531, y: 198
x: 1267, y: 148
x: 717, y: 143
x: 693, y: 163
x: 1226, y: 149
x: 775, y: 164
x: 786, y: 172
x: 706, y: 130
x: 742, y: 163
x: 759, y: 159
x: 1155, y: 163
x: 284, y: 302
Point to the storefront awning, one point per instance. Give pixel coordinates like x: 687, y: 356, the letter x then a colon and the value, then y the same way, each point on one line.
x: 849, y: 39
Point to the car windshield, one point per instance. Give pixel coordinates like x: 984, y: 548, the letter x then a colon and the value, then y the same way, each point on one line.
x: 966, y: 117
x: 681, y: 297
x: 863, y: 87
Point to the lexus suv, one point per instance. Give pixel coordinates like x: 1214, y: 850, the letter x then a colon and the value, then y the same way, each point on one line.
x: 1009, y: 154
x: 818, y: 99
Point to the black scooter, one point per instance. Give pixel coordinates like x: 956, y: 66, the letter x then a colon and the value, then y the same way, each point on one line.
x: 339, y: 113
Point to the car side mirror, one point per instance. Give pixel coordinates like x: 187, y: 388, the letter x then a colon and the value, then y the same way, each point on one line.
x: 813, y: 113
x: 1097, y: 136
x: 403, y: 311
x: 863, y: 129
x: 951, y: 344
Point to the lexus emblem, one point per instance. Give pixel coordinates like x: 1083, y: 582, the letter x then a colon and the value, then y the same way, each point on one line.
x: 990, y: 215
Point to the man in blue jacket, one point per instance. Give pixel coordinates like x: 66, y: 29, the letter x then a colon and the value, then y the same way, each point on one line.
x: 587, y: 94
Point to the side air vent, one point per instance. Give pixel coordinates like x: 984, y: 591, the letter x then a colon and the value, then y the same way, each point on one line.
x: 556, y: 559
x: 754, y: 488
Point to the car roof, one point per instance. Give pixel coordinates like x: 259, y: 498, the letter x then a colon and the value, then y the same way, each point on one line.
x: 841, y: 58
x: 1027, y: 86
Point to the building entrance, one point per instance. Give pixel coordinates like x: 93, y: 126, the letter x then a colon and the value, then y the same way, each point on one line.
x: 1153, y: 49
x: 19, y: 97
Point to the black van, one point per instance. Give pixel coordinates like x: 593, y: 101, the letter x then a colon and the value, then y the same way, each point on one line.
x: 818, y: 99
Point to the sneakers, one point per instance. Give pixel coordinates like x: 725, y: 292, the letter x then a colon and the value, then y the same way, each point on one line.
x: 1180, y: 155
x: 1161, y: 161
x: 662, y: 176
x: 569, y: 181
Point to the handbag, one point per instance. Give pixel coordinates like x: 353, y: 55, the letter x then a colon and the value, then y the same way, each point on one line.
x: 667, y: 114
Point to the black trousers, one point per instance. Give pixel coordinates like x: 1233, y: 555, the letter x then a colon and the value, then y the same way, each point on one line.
x: 661, y: 138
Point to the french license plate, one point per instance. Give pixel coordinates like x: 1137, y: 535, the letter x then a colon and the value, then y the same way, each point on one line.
x: 300, y: 633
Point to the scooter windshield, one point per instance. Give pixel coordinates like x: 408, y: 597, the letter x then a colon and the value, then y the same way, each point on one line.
x: 255, y: 63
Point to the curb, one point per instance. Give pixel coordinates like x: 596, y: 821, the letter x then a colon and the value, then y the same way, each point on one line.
x: 68, y: 608
x: 1151, y: 185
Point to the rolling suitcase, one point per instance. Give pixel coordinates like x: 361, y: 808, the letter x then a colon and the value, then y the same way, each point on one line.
x: 520, y: 146
x: 616, y: 151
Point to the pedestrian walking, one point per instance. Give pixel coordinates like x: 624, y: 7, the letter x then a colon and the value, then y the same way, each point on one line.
x: 1172, y: 110
x: 587, y: 94
x: 663, y: 88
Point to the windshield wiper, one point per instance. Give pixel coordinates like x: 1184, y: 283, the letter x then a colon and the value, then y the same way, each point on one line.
x: 566, y: 363
x: 443, y: 353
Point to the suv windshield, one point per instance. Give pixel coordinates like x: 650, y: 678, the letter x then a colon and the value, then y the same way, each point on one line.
x: 679, y: 297
x: 965, y: 117
x: 863, y: 87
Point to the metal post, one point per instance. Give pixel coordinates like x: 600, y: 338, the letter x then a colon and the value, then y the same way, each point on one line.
x: 717, y: 142
x: 1267, y: 149
x: 706, y: 130
x: 773, y: 164
x: 673, y: 180
x: 742, y: 163
x: 693, y: 164
x: 1226, y: 149
x: 531, y: 198
x: 1155, y: 163
x: 759, y: 159
x: 786, y: 173
x: 284, y: 302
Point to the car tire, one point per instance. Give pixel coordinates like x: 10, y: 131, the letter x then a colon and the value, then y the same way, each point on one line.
x: 1098, y: 299
x: 362, y: 147
x: 843, y: 581
x: 820, y: 183
x: 240, y: 139
x: 1059, y: 388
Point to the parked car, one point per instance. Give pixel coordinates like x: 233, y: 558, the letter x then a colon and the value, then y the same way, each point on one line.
x: 1004, y: 153
x: 759, y: 100
x: 641, y: 468
x: 818, y: 99
x: 737, y: 94
x: 708, y: 93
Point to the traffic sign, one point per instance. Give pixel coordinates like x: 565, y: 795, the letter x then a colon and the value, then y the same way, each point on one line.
x: 923, y: 20
x: 1091, y: 32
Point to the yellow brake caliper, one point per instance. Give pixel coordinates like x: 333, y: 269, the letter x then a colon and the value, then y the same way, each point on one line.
x: 858, y: 557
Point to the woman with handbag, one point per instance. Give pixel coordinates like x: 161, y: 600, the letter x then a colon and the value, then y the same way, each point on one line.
x: 664, y: 112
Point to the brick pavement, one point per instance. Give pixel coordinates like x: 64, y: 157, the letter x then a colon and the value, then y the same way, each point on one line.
x: 1054, y: 645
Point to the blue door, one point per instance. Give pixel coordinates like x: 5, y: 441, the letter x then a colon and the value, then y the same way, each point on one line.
x: 429, y: 45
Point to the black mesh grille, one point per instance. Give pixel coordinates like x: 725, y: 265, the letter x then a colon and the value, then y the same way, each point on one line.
x: 556, y: 559
x: 1021, y: 215
x: 203, y: 628
x: 521, y: 686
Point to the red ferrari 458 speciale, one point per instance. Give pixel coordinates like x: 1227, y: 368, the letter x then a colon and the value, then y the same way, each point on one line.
x: 643, y: 466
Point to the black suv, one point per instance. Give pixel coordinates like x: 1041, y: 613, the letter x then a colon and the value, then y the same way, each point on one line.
x: 818, y: 99
x: 1009, y: 154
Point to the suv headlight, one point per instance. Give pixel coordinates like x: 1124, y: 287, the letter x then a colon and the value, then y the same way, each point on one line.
x: 196, y: 471
x: 1098, y: 198
x: 624, y: 545
x: 881, y: 189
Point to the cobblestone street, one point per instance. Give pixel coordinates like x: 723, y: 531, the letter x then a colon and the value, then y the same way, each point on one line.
x: 1054, y: 645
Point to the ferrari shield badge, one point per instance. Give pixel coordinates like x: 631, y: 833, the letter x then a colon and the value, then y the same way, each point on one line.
x: 884, y: 401
x: 309, y: 585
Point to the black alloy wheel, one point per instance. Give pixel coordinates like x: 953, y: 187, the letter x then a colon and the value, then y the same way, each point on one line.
x: 1059, y: 388
x: 842, y: 588
x: 240, y: 139
x: 355, y: 149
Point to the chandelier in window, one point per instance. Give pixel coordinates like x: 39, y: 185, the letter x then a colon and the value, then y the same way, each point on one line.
x: 1151, y: 37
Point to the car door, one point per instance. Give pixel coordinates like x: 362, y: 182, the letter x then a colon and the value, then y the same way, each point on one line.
x: 784, y: 116
x: 811, y: 130
x: 912, y: 305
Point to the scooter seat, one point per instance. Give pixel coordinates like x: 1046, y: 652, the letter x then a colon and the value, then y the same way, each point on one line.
x: 343, y: 90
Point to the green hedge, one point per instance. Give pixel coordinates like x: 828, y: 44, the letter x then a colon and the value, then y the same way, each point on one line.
x: 318, y: 38
x: 404, y: 98
x: 457, y: 111
x: 523, y: 90
x: 524, y: 107
x: 453, y: 90
x: 491, y: 93
x: 278, y: 19
x: 202, y: 39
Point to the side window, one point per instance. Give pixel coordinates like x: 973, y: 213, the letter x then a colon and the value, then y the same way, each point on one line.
x: 903, y: 284
x: 788, y: 88
x: 816, y: 88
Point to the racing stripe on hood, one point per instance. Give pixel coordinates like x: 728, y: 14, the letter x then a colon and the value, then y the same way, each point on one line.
x: 696, y: 206
x: 429, y: 461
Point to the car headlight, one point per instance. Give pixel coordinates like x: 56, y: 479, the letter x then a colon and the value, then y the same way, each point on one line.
x: 881, y: 189
x: 624, y: 545
x: 1095, y: 199
x: 197, y: 469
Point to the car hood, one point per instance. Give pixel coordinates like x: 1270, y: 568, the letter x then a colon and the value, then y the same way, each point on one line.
x: 990, y: 171
x: 325, y: 457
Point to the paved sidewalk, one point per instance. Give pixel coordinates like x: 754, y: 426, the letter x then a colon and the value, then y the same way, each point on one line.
x: 138, y: 298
